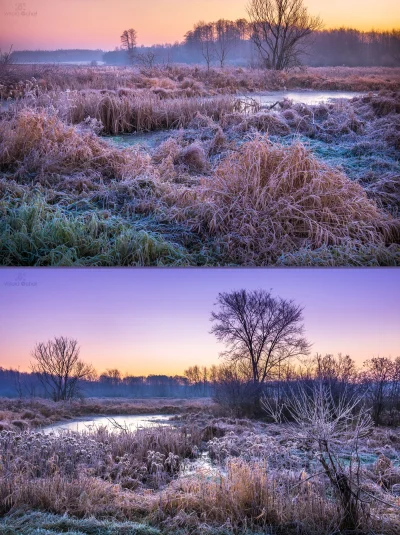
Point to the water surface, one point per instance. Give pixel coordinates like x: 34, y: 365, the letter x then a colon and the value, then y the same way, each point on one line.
x: 302, y: 96
x: 91, y: 423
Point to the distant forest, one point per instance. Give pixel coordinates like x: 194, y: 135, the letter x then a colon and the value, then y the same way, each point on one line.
x: 15, y: 384
x: 339, y: 47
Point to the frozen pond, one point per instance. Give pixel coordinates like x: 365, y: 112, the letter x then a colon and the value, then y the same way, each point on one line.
x: 91, y: 423
x: 305, y: 97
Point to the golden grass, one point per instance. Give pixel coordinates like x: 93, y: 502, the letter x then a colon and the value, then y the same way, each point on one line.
x: 38, y: 141
x: 249, y: 495
x: 262, y: 479
x: 265, y: 200
x: 142, y: 112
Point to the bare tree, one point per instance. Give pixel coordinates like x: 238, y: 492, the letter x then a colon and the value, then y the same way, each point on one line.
x: 242, y: 27
x: 6, y: 57
x: 329, y: 427
x: 226, y: 35
x: 112, y: 377
x: 203, y: 36
x: 379, y: 377
x: 146, y: 58
x: 279, y: 29
x: 261, y: 332
x: 59, y: 369
x: 128, y: 43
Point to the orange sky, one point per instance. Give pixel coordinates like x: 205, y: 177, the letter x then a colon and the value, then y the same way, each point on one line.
x: 50, y: 24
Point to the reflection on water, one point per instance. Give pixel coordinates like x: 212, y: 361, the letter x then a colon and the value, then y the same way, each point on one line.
x: 305, y: 97
x: 111, y: 422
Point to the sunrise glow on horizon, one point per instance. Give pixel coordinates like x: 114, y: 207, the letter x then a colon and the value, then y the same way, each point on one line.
x: 54, y: 24
x: 157, y: 321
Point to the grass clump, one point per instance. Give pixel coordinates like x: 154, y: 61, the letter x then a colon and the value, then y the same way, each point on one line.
x: 143, y: 112
x: 35, y: 233
x: 266, y: 199
x: 253, y: 498
x: 38, y: 142
x: 39, y: 523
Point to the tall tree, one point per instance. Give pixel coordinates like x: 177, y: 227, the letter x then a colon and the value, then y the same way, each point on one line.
x: 226, y: 36
x: 59, y: 369
x: 128, y: 43
x: 279, y: 29
x: 261, y: 332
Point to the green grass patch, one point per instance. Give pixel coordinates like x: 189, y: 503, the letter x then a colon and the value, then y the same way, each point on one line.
x: 38, y: 523
x: 35, y: 233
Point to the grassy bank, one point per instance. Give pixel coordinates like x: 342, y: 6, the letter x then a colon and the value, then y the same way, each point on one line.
x: 258, y: 480
x: 23, y: 414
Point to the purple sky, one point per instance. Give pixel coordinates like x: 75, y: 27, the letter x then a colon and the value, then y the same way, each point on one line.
x: 157, y: 320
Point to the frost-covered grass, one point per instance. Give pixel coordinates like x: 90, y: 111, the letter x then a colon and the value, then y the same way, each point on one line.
x: 227, y: 183
x: 261, y: 480
x: 38, y: 523
x: 187, y: 81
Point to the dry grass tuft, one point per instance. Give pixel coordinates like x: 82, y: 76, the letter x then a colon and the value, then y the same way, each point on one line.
x: 265, y: 200
x: 194, y: 158
x: 251, y: 496
x: 144, y: 112
x: 39, y: 142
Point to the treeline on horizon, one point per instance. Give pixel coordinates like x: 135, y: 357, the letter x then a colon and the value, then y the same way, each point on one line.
x: 112, y: 383
x: 335, y: 47
x: 377, y: 382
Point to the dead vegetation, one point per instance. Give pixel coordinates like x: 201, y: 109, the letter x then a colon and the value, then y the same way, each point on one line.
x: 173, y: 81
x: 266, y: 200
x: 227, y: 182
x: 260, y: 477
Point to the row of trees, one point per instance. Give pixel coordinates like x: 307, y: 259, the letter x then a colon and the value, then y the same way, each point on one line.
x: 338, y: 47
x: 278, y: 30
x: 110, y: 383
x: 377, y: 383
x: 278, y: 35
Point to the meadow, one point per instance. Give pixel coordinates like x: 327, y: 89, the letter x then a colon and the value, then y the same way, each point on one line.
x: 208, y: 473
x: 176, y: 165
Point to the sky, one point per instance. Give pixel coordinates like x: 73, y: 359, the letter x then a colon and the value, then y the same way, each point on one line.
x: 51, y: 24
x: 146, y: 321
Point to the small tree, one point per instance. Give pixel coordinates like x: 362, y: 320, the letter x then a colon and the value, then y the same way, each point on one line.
x: 261, y: 332
x: 202, y: 36
x: 279, y: 29
x: 6, y: 57
x: 146, y: 58
x: 59, y: 369
x: 330, y: 427
x: 379, y: 377
x: 128, y: 43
